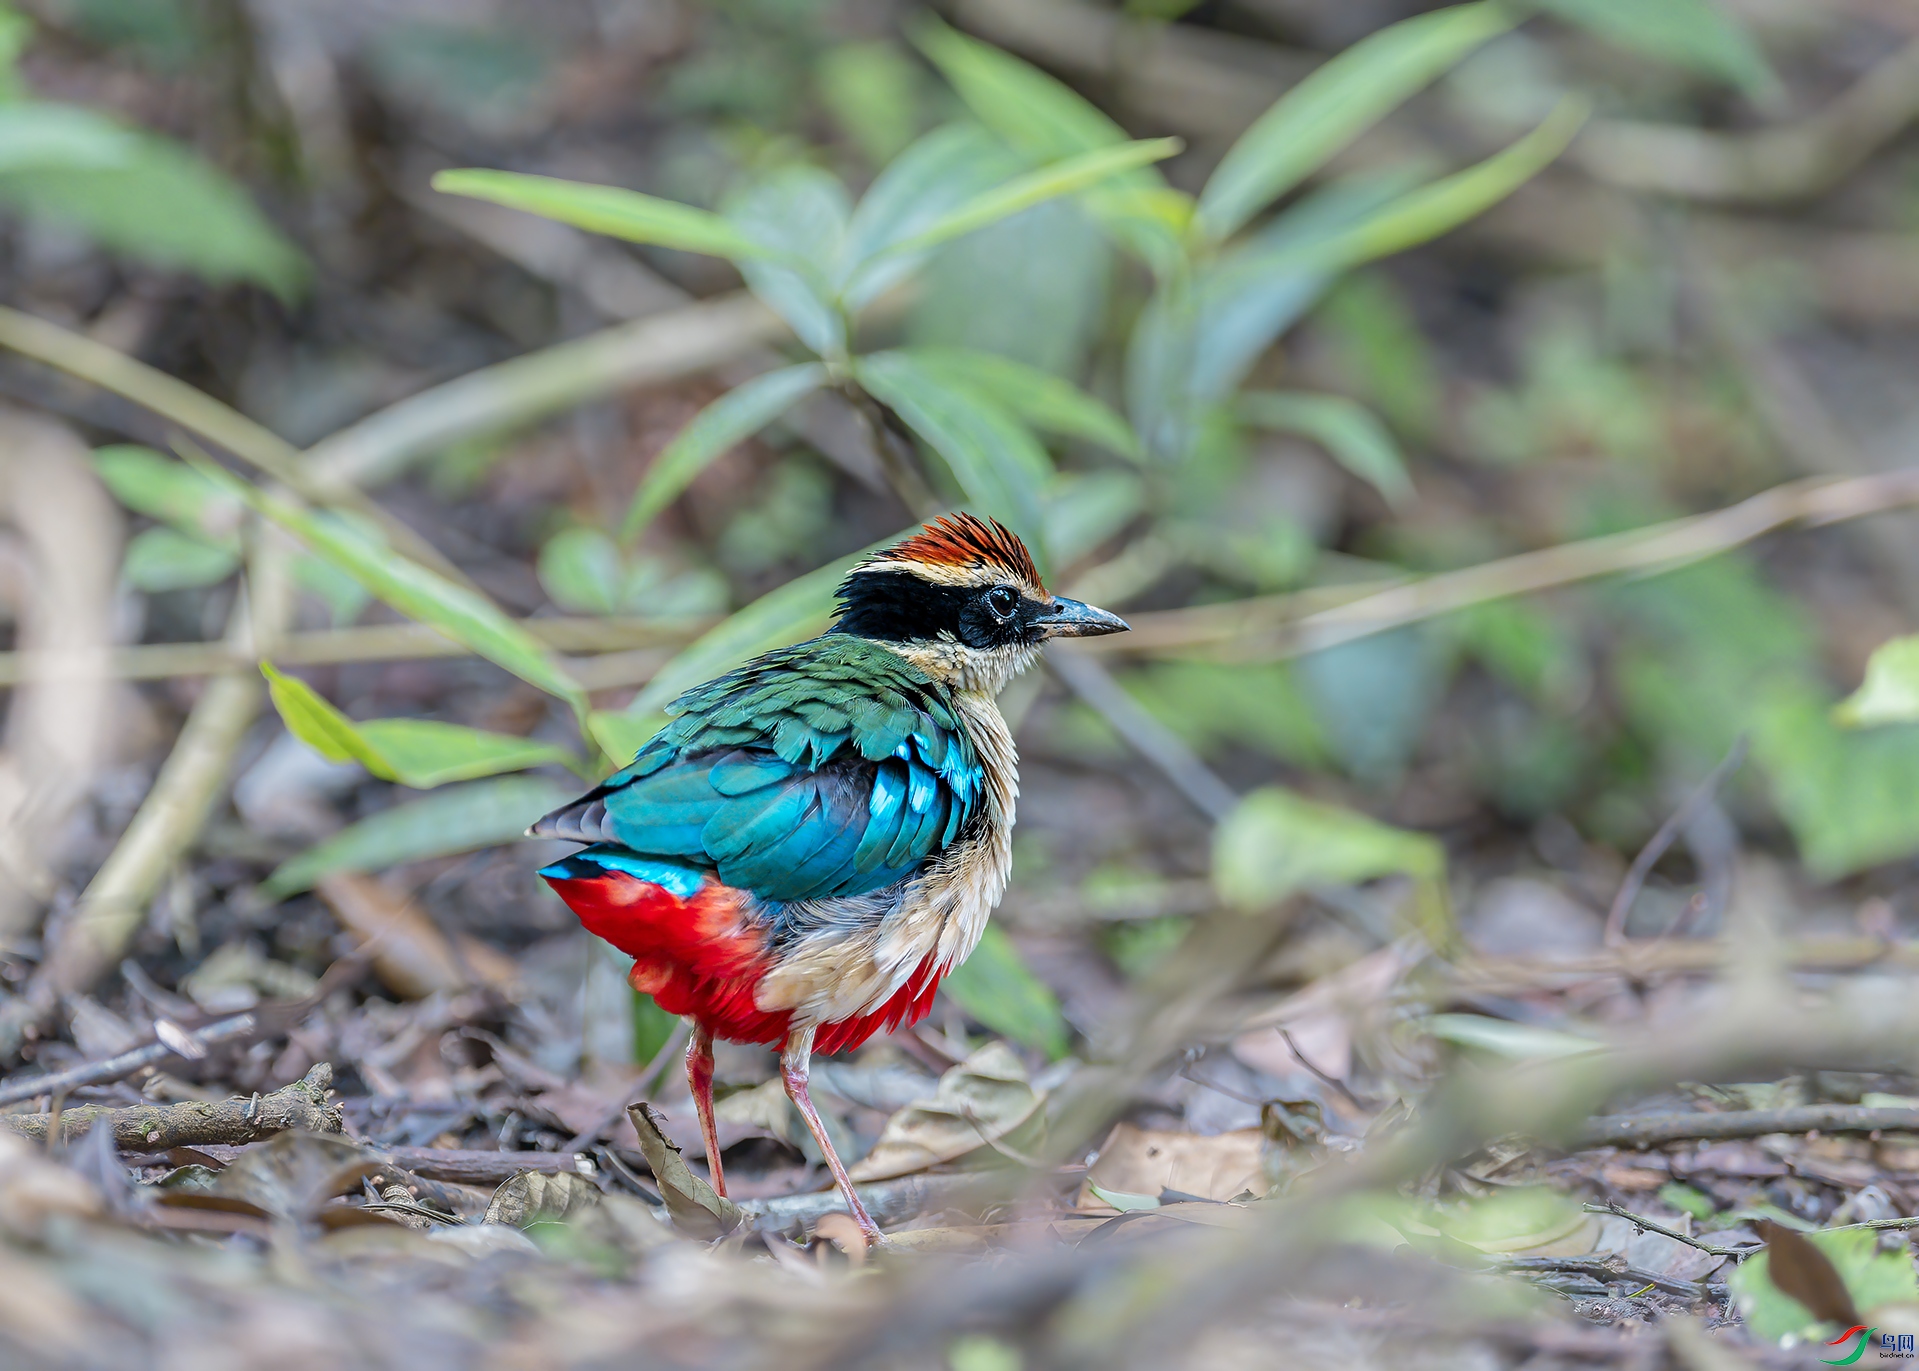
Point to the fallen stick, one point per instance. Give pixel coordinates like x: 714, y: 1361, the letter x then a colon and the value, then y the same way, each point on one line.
x: 473, y: 1166
x: 1646, y: 1130
x: 157, y: 1127
x: 887, y: 1201
x: 120, y: 1067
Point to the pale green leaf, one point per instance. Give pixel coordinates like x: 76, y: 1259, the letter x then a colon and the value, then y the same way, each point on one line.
x: 1066, y: 177
x: 162, y: 203
x: 1277, y: 843
x: 872, y: 92
x: 158, y: 486
x: 996, y: 988
x: 34, y: 134
x: 1502, y: 1038
x: 484, y: 814
x: 1443, y: 205
x: 464, y: 615
x: 419, y: 753
x: 937, y: 174
x: 581, y: 571
x: 1047, y: 402
x: 1085, y: 508
x: 616, y: 212
x: 995, y: 458
x: 1690, y: 33
x: 1350, y: 432
x: 1890, y: 692
x: 1334, y: 105
x: 800, y: 214
x: 714, y: 431
x: 1046, y: 120
x: 161, y: 559
x: 1123, y: 1200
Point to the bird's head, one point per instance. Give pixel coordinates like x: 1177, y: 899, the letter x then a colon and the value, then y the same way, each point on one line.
x: 962, y: 600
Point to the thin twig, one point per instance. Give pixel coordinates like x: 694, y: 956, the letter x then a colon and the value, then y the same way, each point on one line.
x: 122, y: 1066
x: 1653, y: 1226
x: 1655, y: 848
x: 644, y: 1084
x: 1276, y: 627
x: 1331, y: 1080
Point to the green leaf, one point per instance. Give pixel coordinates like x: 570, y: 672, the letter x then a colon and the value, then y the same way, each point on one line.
x: 1065, y: 177
x: 1872, y: 1277
x: 714, y: 431
x: 1277, y: 843
x: 997, y: 988
x: 462, y: 614
x: 35, y: 135
x: 1890, y: 692
x: 472, y: 816
x: 1445, y: 204
x: 581, y: 571
x: 1046, y: 120
x: 1515, y: 1041
x: 610, y: 210
x: 872, y: 91
x: 419, y: 753
x: 1085, y: 508
x: 1334, y: 105
x: 150, y: 483
x: 1047, y: 402
x: 1851, y: 799
x: 937, y: 174
x: 1123, y: 1200
x: 995, y: 459
x: 162, y: 203
x: 1348, y: 430
x: 799, y: 609
x: 799, y: 212
x: 1698, y: 34
x: 160, y: 559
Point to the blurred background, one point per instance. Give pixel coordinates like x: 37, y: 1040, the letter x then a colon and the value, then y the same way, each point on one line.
x: 1505, y: 463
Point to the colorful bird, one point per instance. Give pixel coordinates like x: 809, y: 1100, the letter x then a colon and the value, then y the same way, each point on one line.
x: 815, y: 839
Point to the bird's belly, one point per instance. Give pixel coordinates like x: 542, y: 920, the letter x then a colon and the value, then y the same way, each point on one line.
x: 700, y: 953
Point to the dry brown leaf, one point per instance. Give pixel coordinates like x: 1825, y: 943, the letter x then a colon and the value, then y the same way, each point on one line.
x: 693, y: 1205
x: 411, y: 956
x: 977, y: 1103
x: 840, y: 1230
x: 1805, y: 1273
x: 1320, y: 1019
x: 34, y: 1189
x: 1142, y: 1161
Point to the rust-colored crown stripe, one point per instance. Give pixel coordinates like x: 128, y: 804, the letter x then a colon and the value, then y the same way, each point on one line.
x: 966, y: 540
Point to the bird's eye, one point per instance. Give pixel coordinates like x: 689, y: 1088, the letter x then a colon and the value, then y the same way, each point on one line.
x: 1002, y: 600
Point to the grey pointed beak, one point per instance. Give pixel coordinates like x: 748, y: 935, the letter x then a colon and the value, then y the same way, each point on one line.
x: 1074, y: 619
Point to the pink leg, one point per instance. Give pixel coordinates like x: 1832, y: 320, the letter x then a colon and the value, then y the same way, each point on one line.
x: 794, y: 1060
x: 699, y: 1075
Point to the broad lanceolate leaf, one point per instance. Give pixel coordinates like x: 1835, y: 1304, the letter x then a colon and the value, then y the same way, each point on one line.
x: 1348, y: 430
x: 937, y: 174
x: 996, y: 460
x: 1890, y: 692
x: 415, y: 752
x: 610, y: 210
x: 799, y: 213
x: 1691, y: 33
x: 799, y: 609
x: 997, y: 988
x: 1334, y: 105
x: 729, y: 420
x: 1445, y: 204
x: 1066, y: 177
x: 472, y: 816
x: 34, y: 135
x: 1046, y: 120
x: 1278, y: 842
x: 1045, y: 401
x: 158, y: 201
x: 462, y: 614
